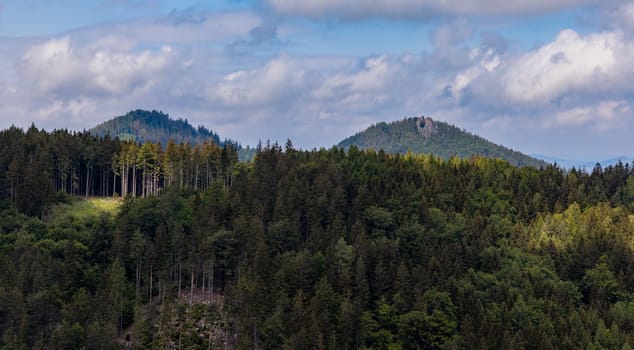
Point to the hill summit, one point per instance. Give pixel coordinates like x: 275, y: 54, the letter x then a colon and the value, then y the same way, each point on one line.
x: 425, y: 135
x: 154, y: 126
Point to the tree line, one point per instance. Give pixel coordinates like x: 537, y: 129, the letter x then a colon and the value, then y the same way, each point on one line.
x: 36, y: 165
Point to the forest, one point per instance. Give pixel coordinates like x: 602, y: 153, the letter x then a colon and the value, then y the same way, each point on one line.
x: 321, y: 249
x: 442, y: 139
x: 36, y: 166
x: 155, y: 126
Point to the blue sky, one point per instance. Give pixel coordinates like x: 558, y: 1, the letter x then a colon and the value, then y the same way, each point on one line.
x: 540, y: 76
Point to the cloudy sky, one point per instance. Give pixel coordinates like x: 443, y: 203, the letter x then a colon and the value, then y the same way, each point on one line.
x: 540, y: 76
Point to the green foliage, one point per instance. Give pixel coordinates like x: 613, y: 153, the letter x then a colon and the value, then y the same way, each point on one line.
x: 140, y: 126
x: 83, y: 209
x: 404, y: 137
x: 154, y: 126
x: 315, y: 250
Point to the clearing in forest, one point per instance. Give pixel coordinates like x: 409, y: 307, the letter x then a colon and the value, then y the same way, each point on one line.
x: 81, y: 208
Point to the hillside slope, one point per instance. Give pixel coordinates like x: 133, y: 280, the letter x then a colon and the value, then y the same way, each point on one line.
x: 424, y: 135
x: 142, y: 126
x: 154, y: 126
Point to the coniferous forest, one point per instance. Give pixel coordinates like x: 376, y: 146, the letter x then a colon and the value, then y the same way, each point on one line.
x: 424, y: 135
x: 321, y: 249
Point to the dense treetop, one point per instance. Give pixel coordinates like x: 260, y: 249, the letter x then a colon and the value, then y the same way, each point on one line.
x: 308, y: 250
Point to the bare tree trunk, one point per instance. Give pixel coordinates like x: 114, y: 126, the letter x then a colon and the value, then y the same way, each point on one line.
x: 138, y: 276
x: 87, y: 181
x: 211, y: 282
x: 164, y: 292
x: 72, y: 181
x: 151, y: 284
x: 123, y: 181
x: 134, y: 180
x: 127, y: 180
x: 196, y: 177
x: 191, y: 290
x: 181, y: 177
x: 208, y: 175
x: 179, y: 276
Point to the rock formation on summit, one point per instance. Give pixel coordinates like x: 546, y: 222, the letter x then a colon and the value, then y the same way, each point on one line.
x: 426, y: 126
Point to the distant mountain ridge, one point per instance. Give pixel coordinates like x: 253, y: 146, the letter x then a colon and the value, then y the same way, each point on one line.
x: 142, y: 126
x: 585, y: 164
x: 425, y: 135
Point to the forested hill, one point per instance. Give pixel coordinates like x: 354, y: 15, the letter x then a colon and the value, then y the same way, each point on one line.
x: 424, y: 135
x: 145, y: 126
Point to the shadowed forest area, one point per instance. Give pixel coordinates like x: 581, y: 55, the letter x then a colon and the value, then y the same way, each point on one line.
x: 320, y: 249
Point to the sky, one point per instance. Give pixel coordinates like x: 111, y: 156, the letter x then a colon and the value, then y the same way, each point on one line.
x: 540, y: 76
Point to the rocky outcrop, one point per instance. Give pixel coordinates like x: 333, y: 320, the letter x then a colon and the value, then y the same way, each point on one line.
x: 426, y: 126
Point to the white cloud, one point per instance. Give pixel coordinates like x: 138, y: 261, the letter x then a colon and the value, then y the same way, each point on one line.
x: 59, y: 68
x: 370, y: 78
x: 571, y: 63
x: 319, y: 100
x: 87, y: 75
x: 276, y: 81
x: 50, y: 64
x: 183, y: 65
x: 185, y: 27
x: 417, y: 8
x: 482, y: 62
x: 601, y: 116
x: 619, y: 17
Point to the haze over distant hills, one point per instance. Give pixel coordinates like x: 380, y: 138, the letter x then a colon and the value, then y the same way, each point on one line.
x: 588, y: 165
x: 424, y: 135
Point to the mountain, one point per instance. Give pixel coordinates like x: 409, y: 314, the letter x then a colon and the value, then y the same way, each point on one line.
x: 588, y: 165
x: 610, y: 162
x: 562, y: 162
x: 154, y: 126
x: 424, y: 135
